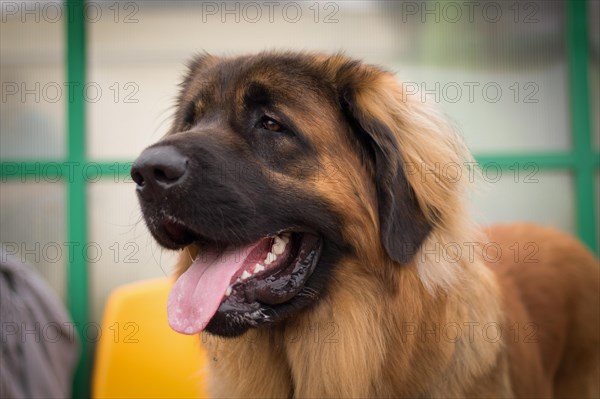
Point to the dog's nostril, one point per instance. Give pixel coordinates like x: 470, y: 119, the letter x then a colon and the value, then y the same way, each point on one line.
x: 169, y: 173
x: 159, y: 175
x: 137, y: 178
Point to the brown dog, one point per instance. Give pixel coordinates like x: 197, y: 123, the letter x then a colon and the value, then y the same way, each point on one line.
x: 327, y: 255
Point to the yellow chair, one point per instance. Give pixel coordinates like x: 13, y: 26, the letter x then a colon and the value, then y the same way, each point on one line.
x: 138, y: 355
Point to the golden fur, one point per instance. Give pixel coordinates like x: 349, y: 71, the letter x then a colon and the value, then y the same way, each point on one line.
x: 445, y: 325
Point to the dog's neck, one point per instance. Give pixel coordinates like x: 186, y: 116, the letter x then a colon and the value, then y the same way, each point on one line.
x: 349, y: 340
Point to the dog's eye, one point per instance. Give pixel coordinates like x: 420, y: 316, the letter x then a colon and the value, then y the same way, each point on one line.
x: 270, y: 124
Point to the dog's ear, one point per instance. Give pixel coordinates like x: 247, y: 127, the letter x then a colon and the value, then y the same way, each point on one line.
x: 369, y: 108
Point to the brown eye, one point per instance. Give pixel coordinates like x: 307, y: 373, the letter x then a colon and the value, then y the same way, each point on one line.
x: 271, y: 125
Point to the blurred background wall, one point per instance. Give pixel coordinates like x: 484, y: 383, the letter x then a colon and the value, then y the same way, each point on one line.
x: 501, y: 70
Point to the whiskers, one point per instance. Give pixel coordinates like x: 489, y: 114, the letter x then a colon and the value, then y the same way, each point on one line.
x: 309, y: 293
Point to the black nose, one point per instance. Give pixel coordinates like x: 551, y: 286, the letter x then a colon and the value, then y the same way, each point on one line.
x: 158, y: 169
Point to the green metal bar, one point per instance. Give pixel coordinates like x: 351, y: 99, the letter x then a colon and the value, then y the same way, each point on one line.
x: 543, y: 161
x: 67, y: 171
x: 118, y: 171
x: 77, y: 282
x: 581, y: 121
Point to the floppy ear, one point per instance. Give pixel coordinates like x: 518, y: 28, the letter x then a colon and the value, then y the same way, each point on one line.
x: 403, y: 225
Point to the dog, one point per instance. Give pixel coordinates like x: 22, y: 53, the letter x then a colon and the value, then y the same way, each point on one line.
x: 325, y: 254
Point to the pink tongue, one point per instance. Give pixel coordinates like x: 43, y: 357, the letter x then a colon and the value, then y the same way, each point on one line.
x: 197, y: 293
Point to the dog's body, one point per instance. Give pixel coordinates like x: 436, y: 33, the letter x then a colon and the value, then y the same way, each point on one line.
x: 556, y: 293
x: 356, y: 274
x: 528, y: 330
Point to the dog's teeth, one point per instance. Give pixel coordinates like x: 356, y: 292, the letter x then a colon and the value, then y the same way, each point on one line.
x: 270, y: 258
x: 285, y: 237
x: 278, y: 246
x: 229, y: 290
x: 258, y: 268
x: 278, y: 249
x: 245, y: 275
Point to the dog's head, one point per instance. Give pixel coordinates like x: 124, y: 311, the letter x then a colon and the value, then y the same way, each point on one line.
x: 278, y: 166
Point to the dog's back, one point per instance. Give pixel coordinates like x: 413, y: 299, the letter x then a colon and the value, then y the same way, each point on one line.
x: 551, y: 288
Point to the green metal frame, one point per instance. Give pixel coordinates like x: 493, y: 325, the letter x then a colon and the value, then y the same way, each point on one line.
x: 77, y: 229
x: 581, y: 122
x: 582, y: 160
